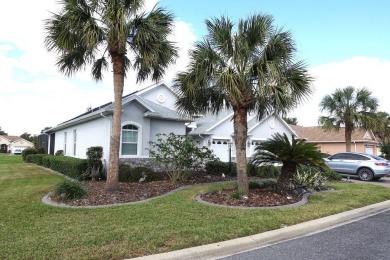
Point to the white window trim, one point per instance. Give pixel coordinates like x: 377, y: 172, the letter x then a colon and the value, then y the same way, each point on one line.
x: 74, y: 141
x: 139, y: 141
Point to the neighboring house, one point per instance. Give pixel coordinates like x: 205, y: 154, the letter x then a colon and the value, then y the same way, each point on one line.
x: 145, y: 113
x: 8, y: 144
x: 332, y: 142
x: 216, y: 132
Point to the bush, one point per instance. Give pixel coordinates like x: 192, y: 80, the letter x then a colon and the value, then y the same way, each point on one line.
x: 331, y: 175
x: 217, y: 167
x: 36, y: 158
x: 237, y: 194
x: 68, y: 190
x: 127, y: 174
x: 309, y: 178
x: 95, y: 166
x: 27, y: 152
x: 41, y: 150
x: 264, y: 171
x: 254, y: 185
x: 178, y: 154
x: 59, y: 153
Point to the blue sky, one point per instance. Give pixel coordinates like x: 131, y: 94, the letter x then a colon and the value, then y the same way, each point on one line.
x: 343, y: 43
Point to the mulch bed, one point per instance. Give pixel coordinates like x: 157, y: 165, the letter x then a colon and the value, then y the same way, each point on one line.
x: 260, y: 197
x: 132, y: 192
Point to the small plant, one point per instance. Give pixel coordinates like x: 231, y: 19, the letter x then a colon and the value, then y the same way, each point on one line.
x: 69, y: 190
x: 237, y: 194
x: 308, y: 178
x: 59, y: 153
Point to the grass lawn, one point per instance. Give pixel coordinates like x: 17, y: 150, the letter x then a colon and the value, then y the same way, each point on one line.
x: 30, y: 229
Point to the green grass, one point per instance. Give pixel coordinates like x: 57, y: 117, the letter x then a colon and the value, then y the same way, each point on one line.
x: 30, y: 229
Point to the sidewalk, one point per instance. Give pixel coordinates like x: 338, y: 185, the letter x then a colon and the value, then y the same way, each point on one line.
x: 226, y: 248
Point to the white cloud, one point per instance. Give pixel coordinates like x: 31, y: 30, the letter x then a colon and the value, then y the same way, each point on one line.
x: 358, y: 72
x: 41, y: 96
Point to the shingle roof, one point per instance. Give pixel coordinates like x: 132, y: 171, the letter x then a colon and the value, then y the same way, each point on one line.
x: 207, y: 121
x: 163, y: 112
x: 11, y: 138
x: 318, y: 134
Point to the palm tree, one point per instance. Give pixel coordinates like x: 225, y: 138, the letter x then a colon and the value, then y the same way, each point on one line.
x: 349, y: 107
x: 97, y: 32
x: 279, y: 149
x: 250, y: 69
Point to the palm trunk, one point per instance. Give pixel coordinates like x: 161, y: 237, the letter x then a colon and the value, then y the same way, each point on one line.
x: 283, y: 185
x: 240, y: 136
x: 112, y: 176
x: 348, y: 137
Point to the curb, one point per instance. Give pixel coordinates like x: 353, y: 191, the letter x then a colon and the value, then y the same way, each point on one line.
x: 230, y: 247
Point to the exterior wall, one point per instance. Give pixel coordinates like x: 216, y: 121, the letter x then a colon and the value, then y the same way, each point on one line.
x: 161, y: 95
x: 264, y: 131
x: 133, y: 114
x: 92, y: 133
x: 332, y: 148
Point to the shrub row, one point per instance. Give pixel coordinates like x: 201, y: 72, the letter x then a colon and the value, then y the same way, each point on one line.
x: 69, y: 166
x: 128, y: 174
x: 217, y: 167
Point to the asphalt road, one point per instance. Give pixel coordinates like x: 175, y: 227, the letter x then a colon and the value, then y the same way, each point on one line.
x: 368, y: 238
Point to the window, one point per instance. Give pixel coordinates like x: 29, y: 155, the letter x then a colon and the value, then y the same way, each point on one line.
x: 74, y: 141
x: 65, y: 137
x: 129, y: 140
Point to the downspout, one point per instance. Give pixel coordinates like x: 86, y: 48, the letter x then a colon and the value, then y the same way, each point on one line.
x: 105, y: 165
x: 355, y: 145
x: 200, y: 135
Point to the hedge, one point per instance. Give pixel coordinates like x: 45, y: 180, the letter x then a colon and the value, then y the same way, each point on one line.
x: 69, y: 166
x: 218, y: 167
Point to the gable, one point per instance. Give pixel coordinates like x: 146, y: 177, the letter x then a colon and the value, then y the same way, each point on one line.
x: 159, y: 94
x: 266, y: 128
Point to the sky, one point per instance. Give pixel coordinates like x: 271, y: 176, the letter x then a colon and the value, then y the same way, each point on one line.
x: 344, y: 43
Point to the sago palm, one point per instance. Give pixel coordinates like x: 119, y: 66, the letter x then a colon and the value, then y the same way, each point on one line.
x: 351, y: 108
x: 248, y: 69
x: 111, y: 32
x: 280, y: 149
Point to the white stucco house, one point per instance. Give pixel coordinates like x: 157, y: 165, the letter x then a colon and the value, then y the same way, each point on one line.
x: 216, y: 132
x: 145, y: 113
x: 148, y: 112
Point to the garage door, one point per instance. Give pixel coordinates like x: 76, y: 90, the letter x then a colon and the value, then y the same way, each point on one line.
x: 221, y: 149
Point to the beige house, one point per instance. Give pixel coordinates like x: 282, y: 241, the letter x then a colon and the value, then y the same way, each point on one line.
x: 332, y: 142
x: 10, y: 144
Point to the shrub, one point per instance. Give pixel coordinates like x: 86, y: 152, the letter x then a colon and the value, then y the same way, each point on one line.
x: 36, y: 158
x: 94, y: 160
x: 27, y: 152
x: 254, y: 185
x: 264, y: 171
x: 127, y: 174
x: 237, y: 194
x: 72, y: 167
x: 331, y: 175
x: 178, y: 154
x: 41, y: 150
x: 217, y: 167
x: 308, y: 178
x: 59, y: 153
x: 68, y: 190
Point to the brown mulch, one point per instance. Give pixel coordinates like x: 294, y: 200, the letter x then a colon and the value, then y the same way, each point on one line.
x: 260, y: 197
x: 132, y: 192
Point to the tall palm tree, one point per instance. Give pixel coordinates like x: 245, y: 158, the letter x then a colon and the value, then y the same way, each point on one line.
x: 250, y: 69
x: 351, y: 108
x: 99, y: 32
x: 279, y: 149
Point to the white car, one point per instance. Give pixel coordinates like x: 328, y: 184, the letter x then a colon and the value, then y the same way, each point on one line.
x: 365, y: 166
x: 18, y: 151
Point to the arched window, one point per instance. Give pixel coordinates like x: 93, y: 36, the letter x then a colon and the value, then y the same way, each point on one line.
x: 129, y: 140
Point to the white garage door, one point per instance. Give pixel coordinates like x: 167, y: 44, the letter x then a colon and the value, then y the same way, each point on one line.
x: 221, y: 149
